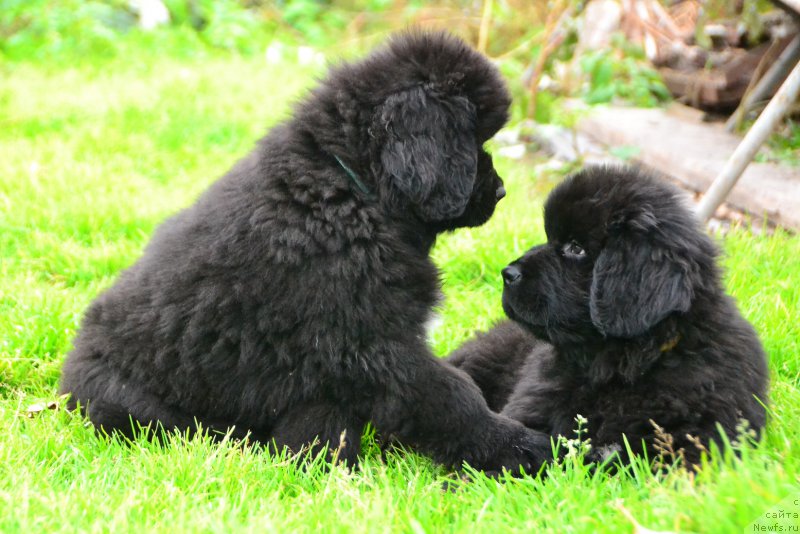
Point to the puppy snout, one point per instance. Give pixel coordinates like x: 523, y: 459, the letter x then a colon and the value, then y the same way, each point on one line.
x: 500, y: 192
x: 511, y: 275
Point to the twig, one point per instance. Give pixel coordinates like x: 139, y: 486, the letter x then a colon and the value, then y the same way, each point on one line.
x: 486, y: 23
x: 555, y: 18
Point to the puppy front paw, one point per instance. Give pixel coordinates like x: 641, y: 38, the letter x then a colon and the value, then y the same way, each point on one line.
x: 518, y: 450
x: 604, y: 457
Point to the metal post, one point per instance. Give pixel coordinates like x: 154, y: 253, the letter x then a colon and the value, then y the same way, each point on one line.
x: 755, y: 137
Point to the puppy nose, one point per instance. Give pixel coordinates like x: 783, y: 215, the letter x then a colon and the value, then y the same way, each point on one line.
x: 500, y: 193
x: 511, y: 275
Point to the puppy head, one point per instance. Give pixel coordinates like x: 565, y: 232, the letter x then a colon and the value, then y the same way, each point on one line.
x: 410, y: 120
x: 623, y: 253
x: 437, y: 101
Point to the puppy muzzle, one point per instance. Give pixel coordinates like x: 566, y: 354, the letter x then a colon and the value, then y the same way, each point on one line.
x: 511, y: 275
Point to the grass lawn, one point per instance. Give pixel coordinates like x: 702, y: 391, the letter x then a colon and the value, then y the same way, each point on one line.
x: 92, y: 157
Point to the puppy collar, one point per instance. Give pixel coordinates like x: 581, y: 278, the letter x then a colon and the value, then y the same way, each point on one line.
x: 671, y: 344
x: 353, y: 176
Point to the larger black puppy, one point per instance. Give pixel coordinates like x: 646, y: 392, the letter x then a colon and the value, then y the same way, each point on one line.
x: 627, y: 295
x: 289, y: 301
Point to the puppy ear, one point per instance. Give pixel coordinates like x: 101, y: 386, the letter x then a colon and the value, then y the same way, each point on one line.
x: 430, y: 151
x: 636, y: 283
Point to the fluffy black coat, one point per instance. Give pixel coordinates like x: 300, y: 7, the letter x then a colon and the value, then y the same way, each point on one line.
x: 289, y: 301
x: 621, y: 317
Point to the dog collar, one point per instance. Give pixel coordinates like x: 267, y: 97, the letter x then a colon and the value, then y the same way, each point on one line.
x: 671, y: 344
x: 353, y: 176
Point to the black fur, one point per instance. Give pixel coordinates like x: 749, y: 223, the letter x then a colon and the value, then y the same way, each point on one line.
x: 289, y: 301
x: 623, y: 319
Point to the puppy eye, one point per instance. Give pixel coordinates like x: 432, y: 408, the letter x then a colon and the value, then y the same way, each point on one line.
x: 573, y: 250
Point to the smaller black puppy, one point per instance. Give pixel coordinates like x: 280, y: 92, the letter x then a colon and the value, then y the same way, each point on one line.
x: 627, y: 293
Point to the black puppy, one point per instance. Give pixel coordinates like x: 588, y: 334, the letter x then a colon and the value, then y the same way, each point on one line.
x: 627, y: 296
x: 289, y: 301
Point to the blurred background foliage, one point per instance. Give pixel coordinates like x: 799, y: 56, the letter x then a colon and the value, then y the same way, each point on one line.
x: 33, y: 28
x: 535, y: 43
x: 514, y: 32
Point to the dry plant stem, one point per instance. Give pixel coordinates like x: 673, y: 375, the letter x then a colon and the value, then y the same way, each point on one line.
x: 524, y: 46
x: 336, y: 453
x: 671, y: 30
x: 486, y: 24
x: 637, y: 527
x: 667, y: 453
x: 654, y: 25
x: 561, y: 10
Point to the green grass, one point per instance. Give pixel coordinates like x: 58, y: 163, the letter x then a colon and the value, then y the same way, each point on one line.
x: 92, y: 158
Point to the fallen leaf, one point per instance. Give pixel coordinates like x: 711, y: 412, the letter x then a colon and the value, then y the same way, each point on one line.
x: 35, y: 409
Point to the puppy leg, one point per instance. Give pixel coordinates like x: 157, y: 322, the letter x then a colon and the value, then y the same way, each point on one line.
x: 494, y: 359
x: 113, y: 418
x: 439, y: 410
x: 146, y: 414
x: 319, y: 425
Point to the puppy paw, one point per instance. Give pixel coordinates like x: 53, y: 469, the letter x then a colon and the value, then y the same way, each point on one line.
x: 604, y: 458
x: 519, y: 450
x: 604, y: 453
